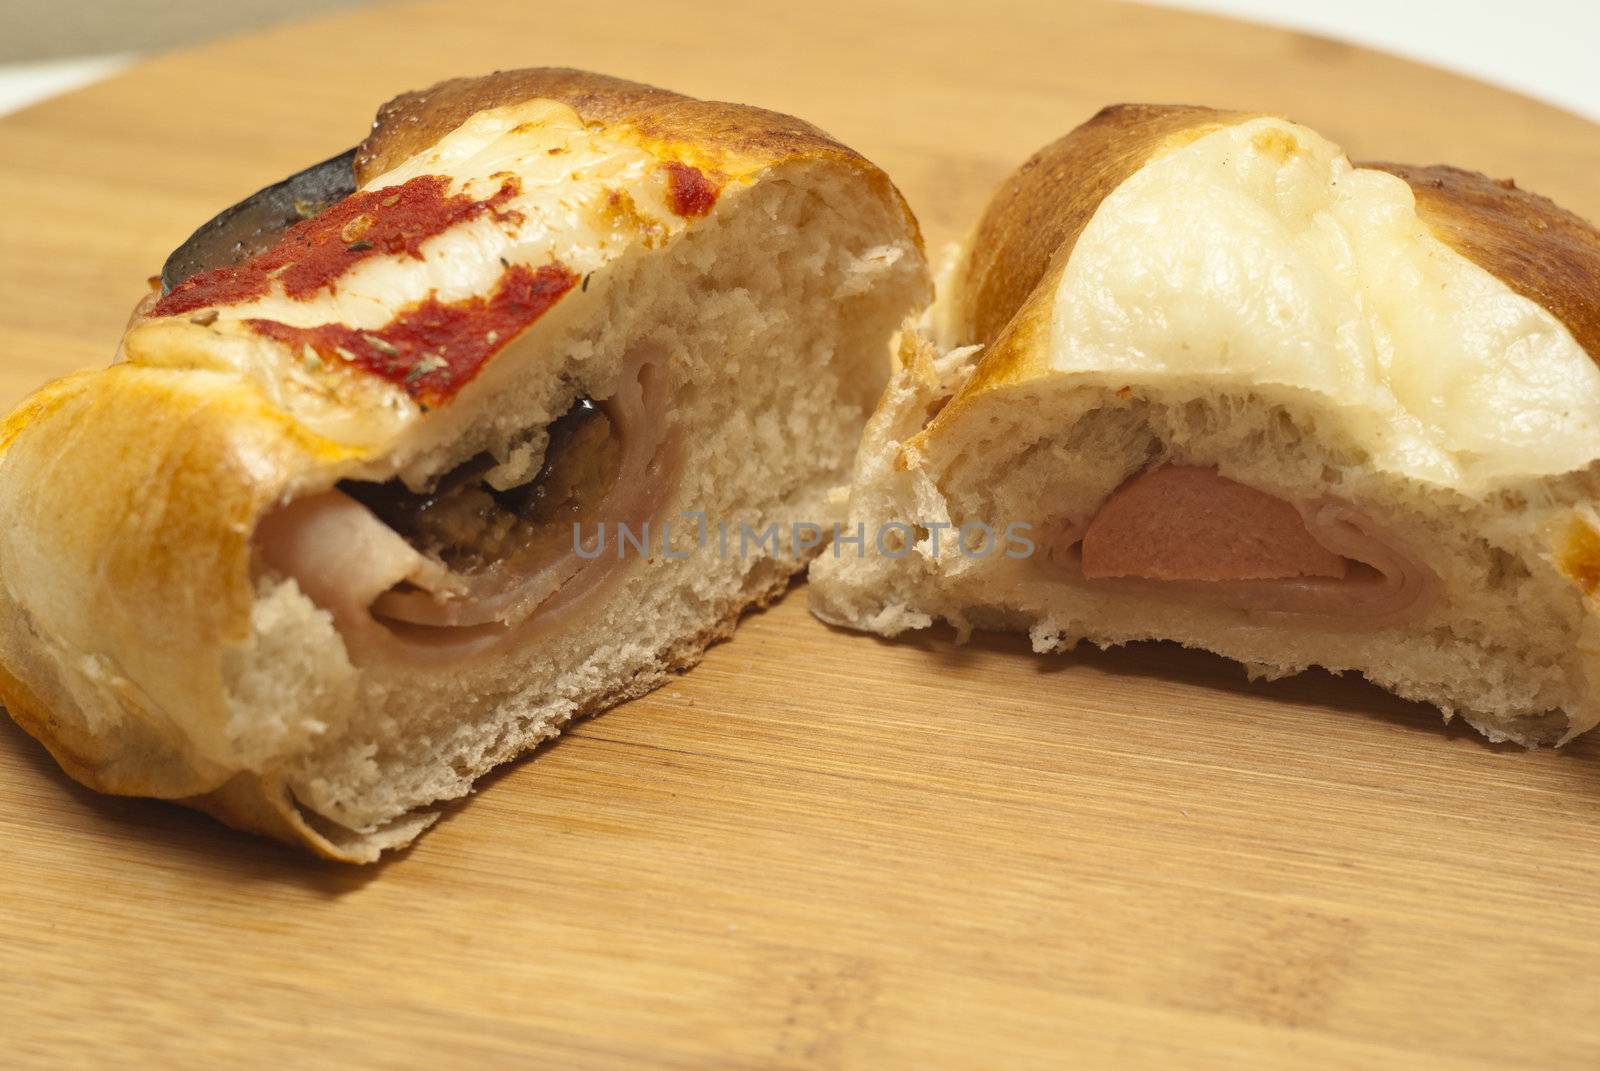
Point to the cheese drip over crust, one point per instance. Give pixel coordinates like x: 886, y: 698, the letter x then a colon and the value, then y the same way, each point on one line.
x: 1285, y: 269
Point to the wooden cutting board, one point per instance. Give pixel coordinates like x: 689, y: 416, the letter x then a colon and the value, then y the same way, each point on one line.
x: 816, y: 850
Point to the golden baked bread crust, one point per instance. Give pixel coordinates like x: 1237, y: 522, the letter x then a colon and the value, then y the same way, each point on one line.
x: 1540, y: 250
x: 413, y: 121
x: 733, y: 139
x: 133, y: 491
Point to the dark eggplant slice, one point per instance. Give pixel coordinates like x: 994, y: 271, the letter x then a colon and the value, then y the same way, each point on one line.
x: 238, y: 233
x: 468, y: 525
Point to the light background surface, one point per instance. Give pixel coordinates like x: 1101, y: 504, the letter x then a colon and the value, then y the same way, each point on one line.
x: 1545, y: 48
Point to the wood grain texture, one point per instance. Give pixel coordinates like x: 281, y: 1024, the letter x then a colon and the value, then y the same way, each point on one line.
x: 816, y: 850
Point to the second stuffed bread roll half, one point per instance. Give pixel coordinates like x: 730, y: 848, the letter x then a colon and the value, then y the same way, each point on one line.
x: 1198, y: 377
x: 389, y: 503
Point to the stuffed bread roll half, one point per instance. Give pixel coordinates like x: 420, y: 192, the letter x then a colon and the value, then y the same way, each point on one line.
x: 1203, y: 379
x: 343, y: 527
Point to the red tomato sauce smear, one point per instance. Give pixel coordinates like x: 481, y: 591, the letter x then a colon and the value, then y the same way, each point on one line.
x: 690, y: 193
x: 313, y: 253
x: 433, y: 349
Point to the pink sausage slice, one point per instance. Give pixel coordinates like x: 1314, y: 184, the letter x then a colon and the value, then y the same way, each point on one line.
x: 1185, y: 523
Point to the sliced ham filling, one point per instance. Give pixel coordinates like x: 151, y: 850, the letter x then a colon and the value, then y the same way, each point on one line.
x: 1192, y: 534
x: 464, y: 564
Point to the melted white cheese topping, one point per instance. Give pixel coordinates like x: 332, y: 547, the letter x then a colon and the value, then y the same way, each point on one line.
x: 1257, y: 257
